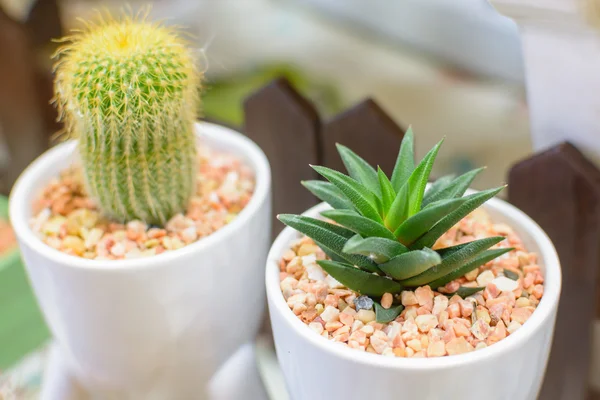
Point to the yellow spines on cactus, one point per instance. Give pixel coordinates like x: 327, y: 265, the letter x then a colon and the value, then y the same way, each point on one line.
x: 128, y: 90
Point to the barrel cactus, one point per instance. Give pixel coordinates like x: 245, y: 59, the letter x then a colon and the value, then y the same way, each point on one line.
x: 128, y: 90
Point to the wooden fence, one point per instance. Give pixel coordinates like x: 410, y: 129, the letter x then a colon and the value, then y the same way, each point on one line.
x: 558, y: 188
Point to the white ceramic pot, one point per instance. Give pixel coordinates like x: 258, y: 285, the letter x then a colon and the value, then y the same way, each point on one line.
x: 317, y: 369
x: 158, y: 327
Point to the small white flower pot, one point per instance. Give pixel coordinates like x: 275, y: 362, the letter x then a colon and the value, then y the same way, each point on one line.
x: 157, y: 327
x: 316, y: 368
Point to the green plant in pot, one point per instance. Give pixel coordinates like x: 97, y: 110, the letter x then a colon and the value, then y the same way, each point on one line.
x: 130, y: 224
x: 384, y: 230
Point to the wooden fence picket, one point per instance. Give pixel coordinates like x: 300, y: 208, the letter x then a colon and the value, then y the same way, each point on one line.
x: 560, y: 190
x: 366, y: 129
x: 286, y: 126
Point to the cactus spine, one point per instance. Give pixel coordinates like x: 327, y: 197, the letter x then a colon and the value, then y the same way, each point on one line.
x: 128, y: 89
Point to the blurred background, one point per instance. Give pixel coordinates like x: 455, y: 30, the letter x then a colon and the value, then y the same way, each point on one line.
x: 449, y: 68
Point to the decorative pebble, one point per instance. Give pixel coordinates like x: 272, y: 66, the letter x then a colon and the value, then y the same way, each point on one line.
x: 386, y: 300
x: 426, y: 322
x: 363, y: 303
x: 365, y: 316
x: 505, y: 284
x: 485, y: 277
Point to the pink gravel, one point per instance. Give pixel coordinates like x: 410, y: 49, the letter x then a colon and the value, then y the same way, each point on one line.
x: 68, y: 220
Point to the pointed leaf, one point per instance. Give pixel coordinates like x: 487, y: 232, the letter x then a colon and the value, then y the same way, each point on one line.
x: 453, y: 261
x: 417, y: 225
x: 454, y: 189
x: 473, y: 201
x: 411, y: 264
x: 384, y: 316
x: 360, y: 281
x: 378, y: 249
x: 359, y: 224
x: 359, y: 169
x: 408, y: 200
x: 330, y: 253
x: 387, y: 191
x: 327, y: 192
x: 398, y: 212
x: 405, y: 163
x: 465, y: 291
x: 362, y: 198
x: 478, y: 261
x: 439, y: 184
x: 511, y: 275
x: 331, y: 237
x: 419, y: 178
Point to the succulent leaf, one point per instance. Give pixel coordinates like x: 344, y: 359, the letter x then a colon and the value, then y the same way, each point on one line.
x: 365, y: 227
x: 408, y: 200
x: 464, y: 291
x: 419, y: 178
x: 420, y: 223
x: 388, y: 194
x: 364, y: 201
x: 478, y: 261
x: 333, y: 237
x: 439, y: 184
x: 411, y: 264
x: 405, y: 163
x: 384, y: 316
x: 359, y: 169
x: 398, y: 212
x: 455, y: 188
x: 473, y: 201
x: 453, y: 261
x: 329, y: 193
x: 358, y: 280
x: 378, y: 249
x: 330, y: 253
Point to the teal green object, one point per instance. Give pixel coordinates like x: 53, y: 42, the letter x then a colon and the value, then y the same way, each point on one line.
x: 22, y: 327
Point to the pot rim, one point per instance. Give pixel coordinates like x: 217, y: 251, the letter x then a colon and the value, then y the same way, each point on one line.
x: 21, y: 198
x: 546, y: 309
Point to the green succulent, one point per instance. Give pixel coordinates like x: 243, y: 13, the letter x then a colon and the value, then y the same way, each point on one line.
x: 385, y: 228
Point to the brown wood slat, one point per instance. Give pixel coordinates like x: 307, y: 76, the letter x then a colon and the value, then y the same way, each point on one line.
x: 286, y: 126
x: 367, y: 130
x: 21, y: 119
x: 560, y: 189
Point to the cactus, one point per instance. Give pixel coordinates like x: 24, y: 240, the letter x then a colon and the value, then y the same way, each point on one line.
x: 128, y: 90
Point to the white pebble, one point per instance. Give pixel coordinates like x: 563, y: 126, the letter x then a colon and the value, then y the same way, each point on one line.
x: 426, y: 322
x: 505, y: 284
x: 317, y: 327
x: 189, y: 235
x: 315, y: 272
x: 513, y: 326
x: 333, y: 283
x: 365, y: 316
x: 117, y: 250
x: 485, y: 277
x: 440, y: 303
x: 330, y: 314
x: 309, y: 259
